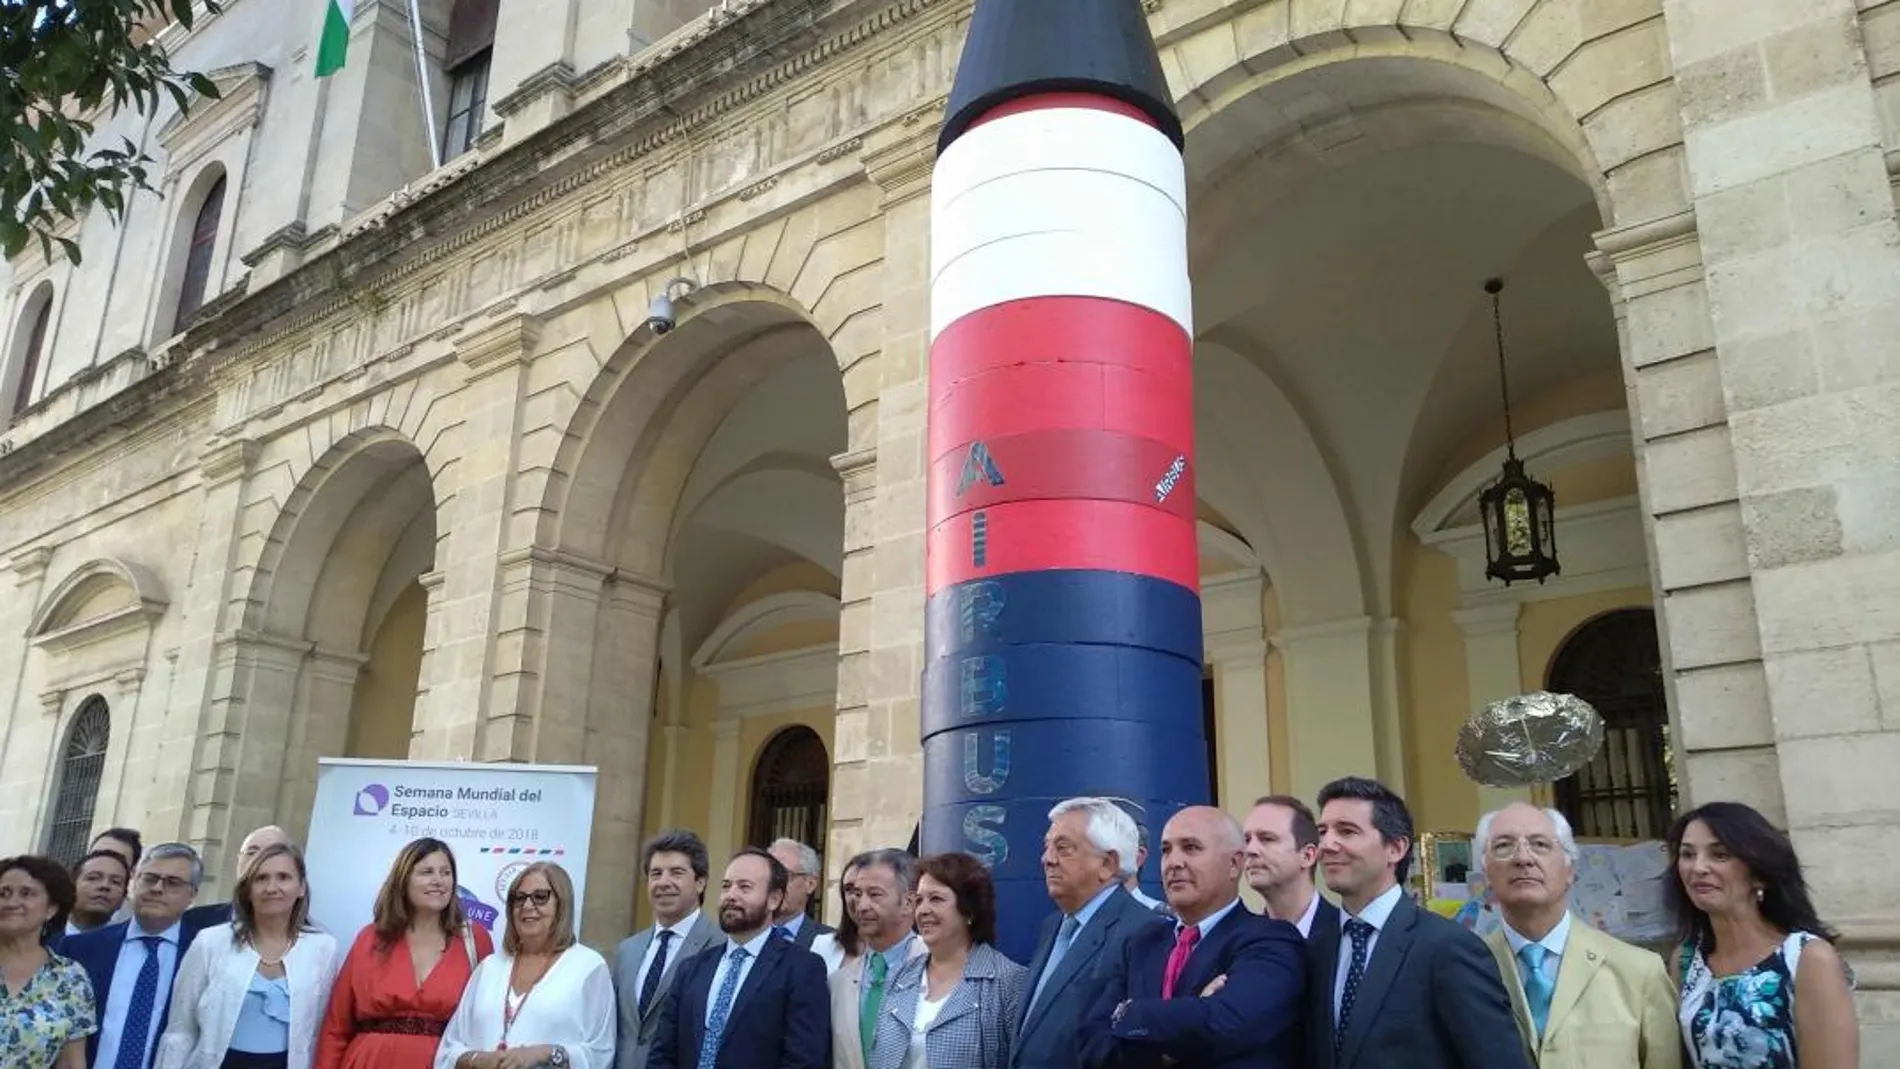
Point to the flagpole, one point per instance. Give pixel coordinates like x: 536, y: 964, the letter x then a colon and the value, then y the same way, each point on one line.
x: 422, y: 83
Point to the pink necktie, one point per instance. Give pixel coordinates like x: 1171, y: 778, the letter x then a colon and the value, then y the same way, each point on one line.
x: 1177, y: 959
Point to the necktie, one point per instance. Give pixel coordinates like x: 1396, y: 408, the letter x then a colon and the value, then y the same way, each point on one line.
x: 782, y: 932
x: 873, y: 1002
x: 1361, y: 934
x: 1184, y: 941
x: 1537, y: 986
x: 136, y: 1030
x: 1064, y: 936
x: 722, y: 1007
x: 650, y: 986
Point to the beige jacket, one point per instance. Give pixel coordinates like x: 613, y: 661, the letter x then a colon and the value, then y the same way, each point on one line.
x: 1614, y: 1007
x: 847, y: 1046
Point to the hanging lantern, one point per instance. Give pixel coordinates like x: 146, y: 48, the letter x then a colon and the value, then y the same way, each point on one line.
x: 1518, y: 512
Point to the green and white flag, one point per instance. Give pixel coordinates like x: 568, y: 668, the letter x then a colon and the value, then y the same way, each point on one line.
x: 334, y: 46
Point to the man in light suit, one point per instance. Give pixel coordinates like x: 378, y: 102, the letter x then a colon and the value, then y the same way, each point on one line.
x: 1089, y: 849
x: 132, y: 963
x: 646, y: 964
x: 1282, y: 850
x: 1582, y: 999
x: 1396, y: 984
x: 880, y: 883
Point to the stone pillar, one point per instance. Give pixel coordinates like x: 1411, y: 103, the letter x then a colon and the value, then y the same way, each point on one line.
x: 1492, y: 672
x: 1236, y: 645
x: 851, y: 735
x: 1332, y: 727
x: 245, y: 742
x: 17, y: 610
x: 727, y: 791
x: 1786, y: 583
x: 619, y: 715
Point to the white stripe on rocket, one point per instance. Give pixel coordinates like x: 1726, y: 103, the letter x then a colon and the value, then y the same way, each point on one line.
x: 1059, y: 202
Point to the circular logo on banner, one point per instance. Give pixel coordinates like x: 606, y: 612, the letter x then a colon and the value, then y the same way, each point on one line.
x: 371, y: 800
x: 507, y: 876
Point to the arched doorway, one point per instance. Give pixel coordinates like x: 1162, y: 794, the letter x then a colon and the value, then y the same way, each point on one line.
x: 1629, y: 789
x: 791, y: 790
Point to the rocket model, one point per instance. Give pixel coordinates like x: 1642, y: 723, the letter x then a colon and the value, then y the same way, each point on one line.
x: 1063, y: 621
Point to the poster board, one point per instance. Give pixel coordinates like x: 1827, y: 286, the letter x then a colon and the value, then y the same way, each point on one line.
x: 497, y: 818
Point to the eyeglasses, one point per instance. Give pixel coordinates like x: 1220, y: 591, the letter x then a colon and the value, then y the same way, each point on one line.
x: 1504, y: 849
x: 152, y: 881
x: 539, y: 898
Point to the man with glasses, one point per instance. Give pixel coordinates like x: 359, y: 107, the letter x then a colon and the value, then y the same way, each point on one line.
x: 132, y: 963
x: 1582, y: 999
x: 804, y: 876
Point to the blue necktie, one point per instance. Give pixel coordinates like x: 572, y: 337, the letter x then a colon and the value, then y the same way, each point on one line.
x: 782, y: 932
x: 650, y: 986
x: 1537, y: 986
x: 722, y: 1007
x: 1361, y: 934
x: 136, y: 1031
x: 1064, y: 937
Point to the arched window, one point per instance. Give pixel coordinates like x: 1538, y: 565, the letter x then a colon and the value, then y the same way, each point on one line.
x: 204, y: 238
x: 81, y: 768
x: 1628, y: 791
x: 31, y: 353
x: 791, y: 787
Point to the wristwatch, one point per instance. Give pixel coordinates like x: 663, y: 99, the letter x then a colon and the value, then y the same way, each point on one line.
x: 557, y: 1057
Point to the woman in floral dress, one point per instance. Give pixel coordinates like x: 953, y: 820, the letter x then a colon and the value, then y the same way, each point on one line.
x: 46, y: 1003
x: 1762, y: 986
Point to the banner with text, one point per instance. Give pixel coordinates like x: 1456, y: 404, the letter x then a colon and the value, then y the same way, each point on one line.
x: 498, y: 819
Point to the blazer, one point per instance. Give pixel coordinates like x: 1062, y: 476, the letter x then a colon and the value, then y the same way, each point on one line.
x: 808, y: 931
x: 1432, y: 998
x: 1614, y: 1007
x: 1253, y: 1022
x: 780, y: 1019
x: 847, y: 1002
x: 1046, y: 1032
x: 976, y: 1025
x: 209, y: 993
x: 97, y: 952
x: 635, y: 1031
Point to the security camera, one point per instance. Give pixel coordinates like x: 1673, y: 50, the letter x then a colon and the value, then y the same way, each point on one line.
x: 660, y: 316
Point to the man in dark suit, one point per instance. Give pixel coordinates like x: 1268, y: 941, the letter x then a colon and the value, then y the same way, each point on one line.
x: 1089, y: 849
x: 804, y: 875
x: 132, y: 964
x: 754, y: 1000
x: 646, y: 964
x: 1219, y: 988
x: 1282, y: 849
x: 1396, y: 984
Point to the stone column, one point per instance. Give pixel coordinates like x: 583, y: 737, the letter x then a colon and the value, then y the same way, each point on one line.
x: 1492, y: 672
x: 1793, y: 571
x: 1236, y: 645
x: 851, y: 737
x: 727, y: 791
x: 1331, y: 701
x: 318, y: 726
x: 619, y: 691
x: 17, y: 610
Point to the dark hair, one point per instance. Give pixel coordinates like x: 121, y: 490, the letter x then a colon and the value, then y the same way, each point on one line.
x: 678, y: 841
x: 392, y: 916
x: 1390, y: 818
x: 847, y: 931
x: 244, y: 915
x: 970, y: 882
x: 59, y: 887
x: 779, y: 878
x: 129, y: 837
x: 1770, y: 859
x: 80, y: 865
x: 1305, y: 825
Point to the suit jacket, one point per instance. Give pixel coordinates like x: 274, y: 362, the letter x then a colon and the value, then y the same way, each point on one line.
x: 847, y: 1000
x: 635, y: 1031
x: 97, y: 952
x: 1046, y: 1032
x: 974, y: 1028
x: 1253, y: 1022
x: 1614, y: 1007
x: 808, y: 931
x: 209, y: 916
x: 780, y: 1019
x: 1432, y: 998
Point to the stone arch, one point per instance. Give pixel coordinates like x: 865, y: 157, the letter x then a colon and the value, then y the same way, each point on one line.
x: 762, y: 617
x: 97, y: 593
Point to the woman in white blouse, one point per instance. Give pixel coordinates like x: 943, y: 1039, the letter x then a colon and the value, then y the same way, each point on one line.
x: 251, y: 994
x: 543, y: 1000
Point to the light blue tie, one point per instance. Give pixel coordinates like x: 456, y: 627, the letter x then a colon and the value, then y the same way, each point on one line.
x: 722, y: 1007
x: 1537, y: 986
x: 1064, y: 937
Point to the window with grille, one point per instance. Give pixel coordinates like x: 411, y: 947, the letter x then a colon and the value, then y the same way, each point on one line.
x: 791, y: 787
x: 1629, y: 789
x: 30, y: 357
x: 204, y: 239
x: 80, y: 769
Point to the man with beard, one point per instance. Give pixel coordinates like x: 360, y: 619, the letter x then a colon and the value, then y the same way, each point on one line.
x: 881, y: 907
x: 647, y: 963
x: 102, y: 878
x: 754, y: 1000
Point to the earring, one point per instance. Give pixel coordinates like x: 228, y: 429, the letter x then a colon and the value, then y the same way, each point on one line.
x: 1759, y: 894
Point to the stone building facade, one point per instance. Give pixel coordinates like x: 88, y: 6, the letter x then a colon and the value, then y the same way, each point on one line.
x: 334, y: 451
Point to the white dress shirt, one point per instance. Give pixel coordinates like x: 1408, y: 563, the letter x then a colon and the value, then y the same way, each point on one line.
x: 1376, y: 913
x: 753, y: 948
x: 1553, y: 942
x: 125, y: 978
x: 571, y: 1007
x: 673, y: 945
x: 1305, y: 923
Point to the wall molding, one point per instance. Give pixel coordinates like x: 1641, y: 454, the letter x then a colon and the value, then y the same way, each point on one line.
x: 776, y: 683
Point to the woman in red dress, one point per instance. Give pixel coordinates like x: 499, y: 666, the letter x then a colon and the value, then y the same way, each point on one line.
x: 404, y: 976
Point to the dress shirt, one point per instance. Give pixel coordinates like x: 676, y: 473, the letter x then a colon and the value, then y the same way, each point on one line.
x: 674, y: 944
x: 753, y: 948
x: 1377, y: 912
x: 1142, y: 897
x: 1208, y: 922
x: 1305, y: 923
x: 125, y: 977
x: 1553, y: 942
x: 792, y: 926
x: 1091, y: 908
x: 894, y: 959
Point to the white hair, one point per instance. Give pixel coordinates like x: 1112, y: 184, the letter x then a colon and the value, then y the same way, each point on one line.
x: 1565, y: 838
x: 807, y: 857
x: 1110, y: 829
